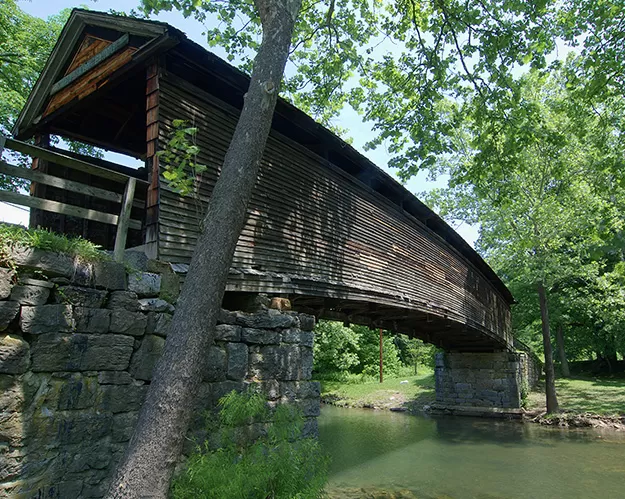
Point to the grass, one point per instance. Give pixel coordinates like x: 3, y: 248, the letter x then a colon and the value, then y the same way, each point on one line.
x: 354, y: 392
x: 579, y: 395
x: 601, y: 396
x: 77, y: 247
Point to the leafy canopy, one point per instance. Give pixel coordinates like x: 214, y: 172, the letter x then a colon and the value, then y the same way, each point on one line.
x: 544, y: 181
x: 395, y: 62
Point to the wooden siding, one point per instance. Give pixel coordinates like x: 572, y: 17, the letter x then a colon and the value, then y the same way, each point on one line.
x: 90, y: 81
x: 90, y: 47
x: 315, y: 230
x: 151, y: 127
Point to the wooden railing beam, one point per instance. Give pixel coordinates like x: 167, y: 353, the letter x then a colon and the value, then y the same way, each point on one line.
x: 62, y: 183
x: 64, y: 209
x: 68, y: 161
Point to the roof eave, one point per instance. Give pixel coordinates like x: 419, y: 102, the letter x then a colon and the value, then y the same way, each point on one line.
x: 69, y: 36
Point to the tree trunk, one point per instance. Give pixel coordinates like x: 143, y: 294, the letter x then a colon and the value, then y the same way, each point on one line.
x: 146, y: 468
x: 566, y: 372
x: 550, y: 386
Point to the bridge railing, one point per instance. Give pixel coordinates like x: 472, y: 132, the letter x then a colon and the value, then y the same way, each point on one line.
x: 121, y: 219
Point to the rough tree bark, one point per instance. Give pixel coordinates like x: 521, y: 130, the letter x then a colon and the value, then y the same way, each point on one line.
x: 147, y: 466
x: 550, y: 378
x: 566, y: 372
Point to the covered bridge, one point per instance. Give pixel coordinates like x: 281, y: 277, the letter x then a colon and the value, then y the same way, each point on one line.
x: 326, y: 227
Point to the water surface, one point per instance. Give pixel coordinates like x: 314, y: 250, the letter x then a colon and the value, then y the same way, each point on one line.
x: 470, y: 458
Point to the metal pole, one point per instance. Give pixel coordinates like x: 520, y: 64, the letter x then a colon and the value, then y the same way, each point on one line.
x: 381, y: 363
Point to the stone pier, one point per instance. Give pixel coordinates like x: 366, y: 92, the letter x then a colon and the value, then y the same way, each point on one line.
x: 483, y: 383
x: 78, y: 344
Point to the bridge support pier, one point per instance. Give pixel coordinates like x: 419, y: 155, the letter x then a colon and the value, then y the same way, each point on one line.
x: 476, y: 383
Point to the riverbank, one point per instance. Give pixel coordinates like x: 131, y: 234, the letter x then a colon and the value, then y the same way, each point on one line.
x: 584, y: 401
x: 406, y: 393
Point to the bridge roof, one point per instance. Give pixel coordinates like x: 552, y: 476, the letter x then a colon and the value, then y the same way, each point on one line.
x: 161, y: 37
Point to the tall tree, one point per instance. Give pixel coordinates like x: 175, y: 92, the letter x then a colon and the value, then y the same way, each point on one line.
x: 147, y: 466
x: 539, y: 177
x: 403, y: 89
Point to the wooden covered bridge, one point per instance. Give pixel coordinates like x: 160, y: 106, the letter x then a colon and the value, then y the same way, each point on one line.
x: 326, y: 227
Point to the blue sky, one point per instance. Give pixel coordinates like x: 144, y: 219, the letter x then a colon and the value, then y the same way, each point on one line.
x: 358, y: 130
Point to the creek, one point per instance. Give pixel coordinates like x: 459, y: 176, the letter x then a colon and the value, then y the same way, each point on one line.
x: 380, y: 454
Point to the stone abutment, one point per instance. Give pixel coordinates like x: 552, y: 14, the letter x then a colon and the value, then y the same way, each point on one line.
x: 483, y: 383
x: 78, y: 343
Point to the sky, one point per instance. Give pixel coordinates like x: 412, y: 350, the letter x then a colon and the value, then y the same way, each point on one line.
x: 359, y: 131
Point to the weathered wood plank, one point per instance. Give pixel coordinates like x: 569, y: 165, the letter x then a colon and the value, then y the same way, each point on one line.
x: 61, y: 183
x: 64, y: 209
x: 89, y: 47
x: 89, y: 82
x: 90, y: 64
x: 310, y: 219
x: 68, y: 161
x: 124, y: 220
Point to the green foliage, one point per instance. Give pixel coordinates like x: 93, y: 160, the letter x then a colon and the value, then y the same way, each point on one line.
x: 280, y: 465
x: 544, y: 181
x: 394, y: 62
x: 179, y: 155
x: 525, y: 391
x: 341, y: 352
x: 413, y: 351
x: 25, y: 44
x: 15, y: 236
x: 335, y: 349
x: 369, y: 353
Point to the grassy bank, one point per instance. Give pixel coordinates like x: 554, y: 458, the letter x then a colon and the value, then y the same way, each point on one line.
x: 407, y: 392
x: 12, y: 236
x: 601, y: 396
x: 594, y: 396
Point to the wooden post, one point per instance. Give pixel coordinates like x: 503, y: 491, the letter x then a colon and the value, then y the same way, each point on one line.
x: 381, y: 363
x: 124, y: 220
x: 37, y: 217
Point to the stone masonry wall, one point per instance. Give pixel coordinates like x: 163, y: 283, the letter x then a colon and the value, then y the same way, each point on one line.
x: 486, y: 380
x: 78, y: 344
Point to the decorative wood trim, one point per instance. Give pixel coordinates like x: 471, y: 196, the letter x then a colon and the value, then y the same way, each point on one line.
x: 90, y: 64
x: 152, y: 86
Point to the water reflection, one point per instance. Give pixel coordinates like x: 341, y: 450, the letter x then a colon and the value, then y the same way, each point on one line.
x: 469, y: 458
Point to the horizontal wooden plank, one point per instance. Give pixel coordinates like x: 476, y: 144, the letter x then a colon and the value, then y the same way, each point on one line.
x: 67, y: 161
x: 63, y: 209
x: 61, y: 183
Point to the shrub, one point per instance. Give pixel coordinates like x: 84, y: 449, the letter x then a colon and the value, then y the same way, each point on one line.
x: 336, y: 349
x: 279, y: 465
x: 369, y: 353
